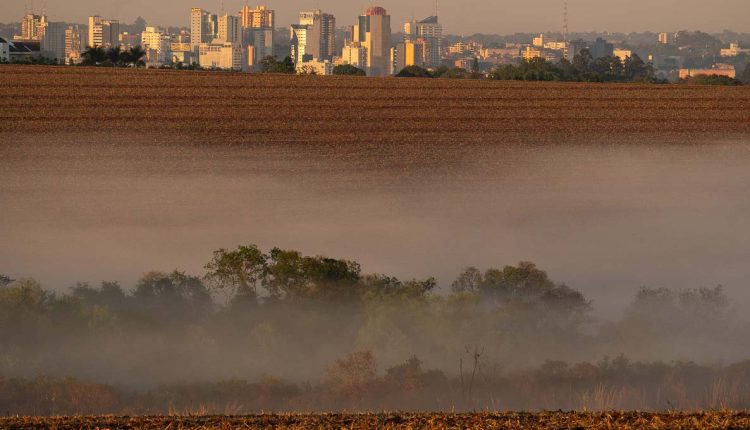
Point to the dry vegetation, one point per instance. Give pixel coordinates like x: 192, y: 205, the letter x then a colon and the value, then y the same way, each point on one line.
x: 547, y: 420
x: 261, y: 108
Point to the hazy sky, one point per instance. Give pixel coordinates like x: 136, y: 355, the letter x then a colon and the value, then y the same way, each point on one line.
x: 459, y: 17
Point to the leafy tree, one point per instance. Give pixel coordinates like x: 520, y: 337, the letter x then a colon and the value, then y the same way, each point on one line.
x: 307, y: 69
x: 568, y: 71
x: 524, y: 283
x: 238, y: 273
x: 416, y: 288
x: 271, y: 65
x: 93, y: 56
x: 114, y: 55
x: 413, y: 72
x: 133, y: 56
x: 108, y: 294
x: 285, y: 66
x: 457, y: 73
x: 293, y: 276
x: 535, y: 69
x: 698, y: 39
x: 351, y: 376
x: 470, y: 281
x: 410, y: 376
x: 636, y: 70
x: 174, y: 296
x: 704, y: 311
x: 714, y: 80
x: 582, y: 60
x: 348, y: 69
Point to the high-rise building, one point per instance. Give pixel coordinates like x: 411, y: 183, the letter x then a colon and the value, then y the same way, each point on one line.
x: 103, y: 32
x: 230, y: 29
x: 299, y: 43
x: 201, y: 27
x: 213, y: 26
x: 314, y: 37
x: 665, y: 38
x: 95, y: 31
x: 260, y: 17
x: 601, y: 48
x: 257, y: 32
x: 261, y: 39
x: 373, y: 31
x: 327, y: 36
x: 73, y: 43
x: 53, y: 41
x: 156, y: 43
x: 538, y: 42
x: 407, y: 53
x: 574, y: 48
x: 32, y: 28
x: 355, y: 54
x: 429, y: 34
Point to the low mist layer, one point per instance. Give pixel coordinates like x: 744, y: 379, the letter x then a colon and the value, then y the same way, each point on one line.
x: 607, y: 219
x: 285, y: 331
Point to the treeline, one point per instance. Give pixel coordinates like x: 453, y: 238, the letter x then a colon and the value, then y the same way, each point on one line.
x: 113, y: 57
x: 254, y: 315
x: 583, y: 68
x: 353, y: 383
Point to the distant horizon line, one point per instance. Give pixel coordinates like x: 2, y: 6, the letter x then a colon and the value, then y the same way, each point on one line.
x: 462, y: 35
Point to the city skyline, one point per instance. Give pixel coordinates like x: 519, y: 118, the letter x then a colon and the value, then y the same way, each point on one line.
x: 468, y: 17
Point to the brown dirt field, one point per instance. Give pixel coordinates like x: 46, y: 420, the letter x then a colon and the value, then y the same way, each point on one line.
x: 547, y: 420
x: 210, y: 107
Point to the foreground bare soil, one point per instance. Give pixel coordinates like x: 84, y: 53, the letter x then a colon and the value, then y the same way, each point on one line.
x: 222, y: 107
x: 547, y: 420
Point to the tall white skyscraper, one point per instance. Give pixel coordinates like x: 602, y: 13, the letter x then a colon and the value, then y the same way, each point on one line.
x: 428, y: 33
x: 314, y: 37
x: 257, y: 32
x: 230, y: 29
x: 156, y: 44
x: 201, y: 27
x: 103, y: 32
x: 73, y: 43
x: 373, y: 32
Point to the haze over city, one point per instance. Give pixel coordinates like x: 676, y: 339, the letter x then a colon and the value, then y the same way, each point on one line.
x: 459, y: 17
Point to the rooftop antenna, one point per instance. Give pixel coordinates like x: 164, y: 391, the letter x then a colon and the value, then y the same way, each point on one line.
x: 436, y: 8
x: 565, y: 21
x: 44, y: 8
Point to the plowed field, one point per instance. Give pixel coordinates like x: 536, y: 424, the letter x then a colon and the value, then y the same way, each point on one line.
x: 211, y: 107
x: 556, y: 420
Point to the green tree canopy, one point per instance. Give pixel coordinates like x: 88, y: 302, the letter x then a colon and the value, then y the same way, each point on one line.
x: 93, y: 56
x: 271, y: 65
x: 413, y: 72
x: 238, y: 273
x: 348, y: 69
